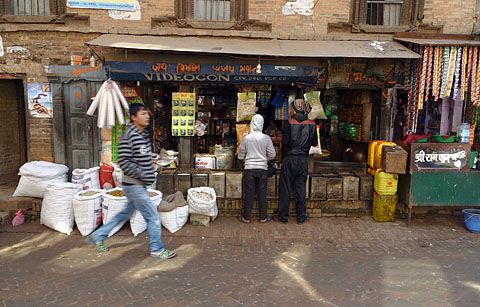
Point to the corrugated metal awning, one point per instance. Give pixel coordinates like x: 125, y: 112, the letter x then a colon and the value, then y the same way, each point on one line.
x: 436, y: 39
x: 257, y: 47
x: 439, y: 42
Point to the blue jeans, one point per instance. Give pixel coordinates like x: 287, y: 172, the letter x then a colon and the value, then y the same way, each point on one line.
x: 138, y: 199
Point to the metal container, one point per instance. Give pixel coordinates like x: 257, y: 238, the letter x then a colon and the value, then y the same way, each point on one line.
x: 165, y: 182
x: 233, y: 184
x: 217, y: 182
x: 183, y: 181
x: 200, y: 179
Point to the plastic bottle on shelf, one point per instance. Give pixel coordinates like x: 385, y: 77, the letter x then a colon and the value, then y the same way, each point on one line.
x: 463, y: 133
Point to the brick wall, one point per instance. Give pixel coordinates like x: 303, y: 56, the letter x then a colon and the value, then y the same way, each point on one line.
x: 10, y: 146
x: 40, y: 140
x: 457, y: 17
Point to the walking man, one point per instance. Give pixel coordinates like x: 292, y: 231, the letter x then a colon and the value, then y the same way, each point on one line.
x: 135, y: 160
x: 299, y: 135
x: 256, y: 149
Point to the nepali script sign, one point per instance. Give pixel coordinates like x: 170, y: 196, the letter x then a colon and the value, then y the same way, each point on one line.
x: 439, y: 157
x: 125, y: 5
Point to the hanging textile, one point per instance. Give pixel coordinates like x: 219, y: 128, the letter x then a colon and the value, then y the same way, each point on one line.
x: 473, y: 79
x: 464, y: 72
x: 451, y: 71
x: 423, y: 78
x: 438, y: 72
x: 408, y: 69
x: 445, y: 61
x: 458, y: 65
x: 428, y: 86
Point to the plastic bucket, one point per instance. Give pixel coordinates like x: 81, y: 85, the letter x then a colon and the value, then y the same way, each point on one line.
x: 472, y: 219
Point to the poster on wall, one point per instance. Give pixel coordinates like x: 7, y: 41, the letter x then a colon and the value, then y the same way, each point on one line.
x: 183, y: 114
x: 40, y: 102
x: 124, y: 5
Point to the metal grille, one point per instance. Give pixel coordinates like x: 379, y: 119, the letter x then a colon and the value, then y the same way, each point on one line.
x: 30, y: 7
x: 384, y: 13
x: 212, y: 10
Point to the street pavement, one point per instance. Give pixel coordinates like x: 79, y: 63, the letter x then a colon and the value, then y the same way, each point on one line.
x: 335, y: 261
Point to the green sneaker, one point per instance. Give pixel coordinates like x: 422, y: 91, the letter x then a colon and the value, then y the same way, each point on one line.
x: 164, y: 254
x: 100, y: 246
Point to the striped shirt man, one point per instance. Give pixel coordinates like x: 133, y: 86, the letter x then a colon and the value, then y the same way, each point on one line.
x: 135, y: 157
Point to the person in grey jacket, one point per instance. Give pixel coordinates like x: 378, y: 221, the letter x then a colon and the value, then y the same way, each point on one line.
x: 135, y: 160
x: 256, y: 149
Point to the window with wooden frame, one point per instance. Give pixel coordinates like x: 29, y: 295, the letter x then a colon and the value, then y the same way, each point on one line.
x: 31, y: 11
x: 218, y: 11
x: 386, y: 15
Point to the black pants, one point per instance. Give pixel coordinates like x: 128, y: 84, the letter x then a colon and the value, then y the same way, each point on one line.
x: 293, y: 176
x: 255, y: 180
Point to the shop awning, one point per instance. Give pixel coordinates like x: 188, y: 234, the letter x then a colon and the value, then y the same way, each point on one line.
x: 258, y: 47
x: 425, y: 39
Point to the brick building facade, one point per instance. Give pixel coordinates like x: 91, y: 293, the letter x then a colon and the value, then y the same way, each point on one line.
x: 31, y: 44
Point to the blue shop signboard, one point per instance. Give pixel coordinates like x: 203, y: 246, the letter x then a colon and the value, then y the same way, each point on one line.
x: 192, y: 72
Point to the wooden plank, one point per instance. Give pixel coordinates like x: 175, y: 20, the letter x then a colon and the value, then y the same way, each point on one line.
x: 439, y: 157
x: 334, y: 188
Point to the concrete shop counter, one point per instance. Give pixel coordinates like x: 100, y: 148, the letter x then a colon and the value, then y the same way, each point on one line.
x: 443, y: 189
x: 330, y: 191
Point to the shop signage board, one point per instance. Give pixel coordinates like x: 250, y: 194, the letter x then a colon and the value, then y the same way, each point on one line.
x: 439, y: 157
x: 193, y: 72
x: 126, y: 5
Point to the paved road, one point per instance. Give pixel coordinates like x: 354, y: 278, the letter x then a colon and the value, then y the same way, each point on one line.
x: 326, y: 262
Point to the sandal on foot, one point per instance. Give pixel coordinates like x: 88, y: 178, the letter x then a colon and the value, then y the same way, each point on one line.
x: 164, y: 254
x: 98, y: 245
x: 243, y: 220
x: 266, y: 220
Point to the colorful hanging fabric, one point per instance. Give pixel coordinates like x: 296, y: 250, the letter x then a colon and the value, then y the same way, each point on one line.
x: 445, y: 62
x: 423, y: 78
x: 438, y: 71
x: 464, y: 72
x: 408, y: 66
x: 473, y: 78
x: 435, y: 72
x: 451, y: 71
x: 458, y: 65
x: 416, y: 102
x: 428, y: 84
x: 411, y: 96
x: 477, y: 86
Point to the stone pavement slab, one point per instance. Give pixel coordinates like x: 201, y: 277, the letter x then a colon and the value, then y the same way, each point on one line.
x: 326, y: 262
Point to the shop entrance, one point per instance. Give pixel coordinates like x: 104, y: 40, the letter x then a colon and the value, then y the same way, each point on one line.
x: 12, y: 128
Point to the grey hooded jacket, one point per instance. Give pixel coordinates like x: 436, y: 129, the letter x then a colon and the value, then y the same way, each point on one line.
x: 256, y: 148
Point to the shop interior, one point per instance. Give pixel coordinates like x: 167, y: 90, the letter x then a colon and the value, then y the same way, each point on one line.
x: 216, y: 107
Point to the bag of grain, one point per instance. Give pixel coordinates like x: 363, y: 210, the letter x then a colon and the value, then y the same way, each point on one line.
x: 87, y: 209
x: 57, y: 206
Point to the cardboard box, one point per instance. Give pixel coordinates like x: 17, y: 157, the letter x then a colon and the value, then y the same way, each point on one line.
x: 394, y: 159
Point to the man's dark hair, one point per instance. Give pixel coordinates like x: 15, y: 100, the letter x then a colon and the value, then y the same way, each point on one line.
x: 134, y: 108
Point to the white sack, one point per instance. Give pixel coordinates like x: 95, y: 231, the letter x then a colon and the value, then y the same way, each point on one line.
x: 117, y: 176
x: 37, y: 175
x: 57, y: 206
x: 200, y: 206
x: 175, y: 219
x: 111, y: 206
x: 32, y: 186
x: 137, y: 222
x: 89, y: 178
x: 43, y: 169
x: 88, y: 211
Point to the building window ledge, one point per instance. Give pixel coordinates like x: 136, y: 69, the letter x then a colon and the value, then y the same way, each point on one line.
x: 247, y: 25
